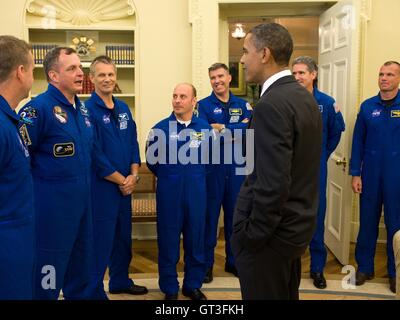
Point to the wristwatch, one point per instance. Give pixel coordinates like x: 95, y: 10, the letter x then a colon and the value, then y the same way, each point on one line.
x: 137, y: 178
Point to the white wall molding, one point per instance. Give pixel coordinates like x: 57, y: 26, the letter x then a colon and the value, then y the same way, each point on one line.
x: 82, y: 12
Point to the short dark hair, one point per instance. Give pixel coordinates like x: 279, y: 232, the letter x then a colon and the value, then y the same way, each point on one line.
x: 390, y: 62
x: 13, y: 53
x: 102, y: 59
x: 218, y: 65
x: 51, y: 59
x: 276, y: 38
x: 308, y: 61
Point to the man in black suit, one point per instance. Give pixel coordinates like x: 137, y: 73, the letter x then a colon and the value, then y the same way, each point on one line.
x: 276, y: 209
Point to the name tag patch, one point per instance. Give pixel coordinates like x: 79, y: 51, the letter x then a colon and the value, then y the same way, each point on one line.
x: 64, y: 149
x: 235, y: 112
x: 395, y: 113
x: 197, y: 136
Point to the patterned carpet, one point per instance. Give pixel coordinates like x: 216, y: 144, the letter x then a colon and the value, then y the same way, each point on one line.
x: 227, y: 288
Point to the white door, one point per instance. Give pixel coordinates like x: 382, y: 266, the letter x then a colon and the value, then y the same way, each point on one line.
x: 338, y: 77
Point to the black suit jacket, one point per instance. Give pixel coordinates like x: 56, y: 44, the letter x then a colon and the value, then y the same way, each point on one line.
x: 277, y: 204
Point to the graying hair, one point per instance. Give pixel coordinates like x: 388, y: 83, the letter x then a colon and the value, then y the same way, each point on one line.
x: 308, y: 61
x: 102, y: 59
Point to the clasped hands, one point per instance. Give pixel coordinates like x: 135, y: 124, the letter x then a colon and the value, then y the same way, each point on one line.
x: 128, y: 185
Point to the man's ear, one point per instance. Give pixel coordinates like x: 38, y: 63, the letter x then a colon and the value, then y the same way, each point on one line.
x: 19, y: 71
x: 314, y: 75
x: 229, y: 78
x: 266, y: 55
x: 91, y: 77
x: 53, y: 75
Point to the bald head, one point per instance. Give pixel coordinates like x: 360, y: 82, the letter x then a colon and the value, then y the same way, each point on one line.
x: 188, y: 85
x: 184, y: 100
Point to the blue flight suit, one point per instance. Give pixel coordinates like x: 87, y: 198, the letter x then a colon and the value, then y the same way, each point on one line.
x: 181, y: 200
x: 16, y: 210
x: 332, y: 126
x: 225, y: 183
x: 115, y: 131
x: 375, y: 157
x: 61, y: 144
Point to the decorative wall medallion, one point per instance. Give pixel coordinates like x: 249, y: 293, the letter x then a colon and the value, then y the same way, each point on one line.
x: 82, y: 12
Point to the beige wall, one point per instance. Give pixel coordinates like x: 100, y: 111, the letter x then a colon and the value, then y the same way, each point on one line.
x: 382, y: 42
x: 11, y: 19
x: 164, y: 56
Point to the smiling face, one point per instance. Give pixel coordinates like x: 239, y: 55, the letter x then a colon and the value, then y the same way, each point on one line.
x: 67, y: 74
x: 389, y: 78
x: 220, y: 80
x: 104, y: 78
x: 183, y: 101
x: 304, y: 76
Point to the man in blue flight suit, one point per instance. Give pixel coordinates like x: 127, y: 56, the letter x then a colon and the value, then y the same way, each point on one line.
x: 112, y: 184
x: 16, y: 186
x: 222, y: 110
x: 181, y: 192
x: 61, y: 142
x: 374, y: 166
x: 305, y: 71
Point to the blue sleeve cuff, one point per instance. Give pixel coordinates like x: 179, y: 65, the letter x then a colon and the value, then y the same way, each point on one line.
x: 355, y: 173
x: 105, y: 172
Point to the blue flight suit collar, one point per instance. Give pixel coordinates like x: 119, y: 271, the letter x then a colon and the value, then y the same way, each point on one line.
x: 194, y: 119
x: 99, y: 101
x: 317, y: 94
x: 59, y: 96
x: 377, y: 99
x: 6, y: 108
x: 215, y: 99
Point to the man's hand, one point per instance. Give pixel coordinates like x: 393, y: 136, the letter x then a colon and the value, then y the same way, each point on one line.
x: 218, y: 126
x: 128, y: 185
x: 356, y: 184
